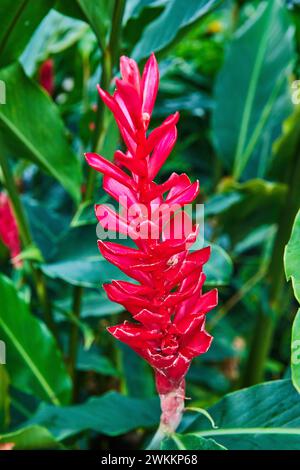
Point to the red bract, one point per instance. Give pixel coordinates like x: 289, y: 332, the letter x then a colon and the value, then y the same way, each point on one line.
x: 9, y: 233
x: 167, y: 303
x: 46, y: 76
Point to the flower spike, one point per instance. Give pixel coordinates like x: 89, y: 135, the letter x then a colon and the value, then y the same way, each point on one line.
x: 167, y: 302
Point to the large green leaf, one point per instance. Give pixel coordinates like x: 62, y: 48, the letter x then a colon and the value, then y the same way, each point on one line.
x: 137, y: 374
x: 30, y: 438
x: 19, y: 18
x: 111, y: 414
x: 30, y: 127
x: 285, y: 148
x: 219, y: 267
x: 258, y: 200
x: 190, y: 442
x: 33, y: 360
x: 292, y: 258
x: 252, y: 95
x: 292, y: 271
x: 93, y: 360
x: 55, y: 34
x: 78, y: 261
x: 4, y: 397
x: 266, y: 416
x: 99, y: 15
x: 177, y: 16
x: 45, y: 236
x: 295, y: 352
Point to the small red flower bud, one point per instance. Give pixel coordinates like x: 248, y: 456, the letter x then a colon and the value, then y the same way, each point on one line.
x: 46, y: 76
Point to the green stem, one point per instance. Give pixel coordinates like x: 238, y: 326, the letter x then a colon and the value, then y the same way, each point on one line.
x: 100, y: 130
x: 109, y: 57
x: 265, y: 325
x: 74, y: 337
x: 26, y: 239
x: 157, y: 439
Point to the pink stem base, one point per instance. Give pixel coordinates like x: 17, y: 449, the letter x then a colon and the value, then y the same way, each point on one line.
x: 172, y: 406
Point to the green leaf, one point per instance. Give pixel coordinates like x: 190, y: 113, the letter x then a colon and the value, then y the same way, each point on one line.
x: 189, y: 442
x: 94, y: 305
x: 260, y: 202
x: 99, y: 15
x: 45, y: 236
x: 78, y: 261
x: 55, y: 34
x: 4, y: 397
x: 266, y: 416
x: 111, y: 414
x: 292, y: 257
x: 256, y: 237
x: 285, y: 147
x: 209, y: 376
x: 261, y: 100
x: 137, y: 374
x: 89, y: 360
x: 295, y: 352
x: 219, y: 267
x: 30, y: 438
x: 70, y: 8
x: 18, y: 21
x: 33, y: 360
x: 176, y: 18
x: 30, y: 127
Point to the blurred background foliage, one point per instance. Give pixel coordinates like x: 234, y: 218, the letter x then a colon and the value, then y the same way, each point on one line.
x: 228, y: 67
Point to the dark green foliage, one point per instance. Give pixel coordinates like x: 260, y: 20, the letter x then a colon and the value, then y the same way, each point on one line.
x: 227, y: 67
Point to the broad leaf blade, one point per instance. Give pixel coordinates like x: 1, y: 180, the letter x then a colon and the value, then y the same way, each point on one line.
x: 78, y: 261
x: 30, y: 438
x: 99, y: 15
x: 252, y: 96
x: 295, y: 352
x: 175, y: 18
x: 4, y: 397
x: 265, y: 416
x: 292, y: 271
x: 34, y: 362
x: 190, y: 442
x: 30, y: 127
x: 292, y: 257
x: 111, y: 414
x: 19, y: 18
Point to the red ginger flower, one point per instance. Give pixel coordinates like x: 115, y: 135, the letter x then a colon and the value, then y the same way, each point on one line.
x: 167, y: 304
x: 9, y: 233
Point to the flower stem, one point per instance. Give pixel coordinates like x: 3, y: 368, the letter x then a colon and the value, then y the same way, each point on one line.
x: 172, y: 407
x: 74, y: 337
x: 109, y: 56
x: 157, y: 439
x: 265, y: 326
x: 27, y: 241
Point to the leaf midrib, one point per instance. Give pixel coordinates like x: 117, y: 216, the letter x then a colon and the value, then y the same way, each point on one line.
x: 39, y: 377
x: 38, y: 155
x: 12, y: 25
x: 233, y: 431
